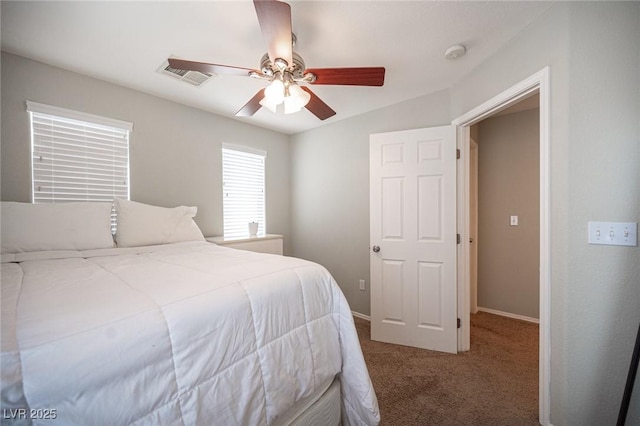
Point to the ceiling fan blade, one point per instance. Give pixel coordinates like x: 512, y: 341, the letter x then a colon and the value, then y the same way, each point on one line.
x: 252, y: 106
x: 317, y: 106
x: 275, y: 24
x: 363, y: 76
x: 181, y: 64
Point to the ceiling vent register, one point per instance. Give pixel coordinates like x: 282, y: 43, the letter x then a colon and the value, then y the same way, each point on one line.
x: 195, y: 78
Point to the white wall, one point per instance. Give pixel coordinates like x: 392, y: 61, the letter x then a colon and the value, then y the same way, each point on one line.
x: 591, y: 48
x: 175, y: 153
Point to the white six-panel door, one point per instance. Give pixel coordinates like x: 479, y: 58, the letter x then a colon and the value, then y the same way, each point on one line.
x: 413, y: 238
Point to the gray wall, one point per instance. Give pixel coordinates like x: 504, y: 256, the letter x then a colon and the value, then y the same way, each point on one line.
x: 330, y: 189
x: 508, y: 184
x: 592, y: 51
x: 175, y: 156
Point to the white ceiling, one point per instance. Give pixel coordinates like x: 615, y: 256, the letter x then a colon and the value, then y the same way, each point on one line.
x: 125, y: 43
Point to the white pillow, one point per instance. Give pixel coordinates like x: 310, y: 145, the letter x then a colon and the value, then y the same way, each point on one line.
x: 141, y: 224
x: 60, y: 226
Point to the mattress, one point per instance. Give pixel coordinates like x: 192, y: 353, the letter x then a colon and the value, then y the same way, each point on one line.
x: 187, y: 333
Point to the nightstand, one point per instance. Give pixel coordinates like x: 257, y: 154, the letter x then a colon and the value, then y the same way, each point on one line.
x: 269, y: 243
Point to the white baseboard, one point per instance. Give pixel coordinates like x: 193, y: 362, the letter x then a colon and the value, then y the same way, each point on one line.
x: 487, y: 310
x: 361, y: 316
x: 509, y: 315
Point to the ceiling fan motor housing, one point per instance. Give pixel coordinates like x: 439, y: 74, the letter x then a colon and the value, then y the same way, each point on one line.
x: 296, y: 70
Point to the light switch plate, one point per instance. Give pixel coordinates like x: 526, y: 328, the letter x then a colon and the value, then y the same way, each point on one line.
x: 513, y: 221
x: 613, y: 233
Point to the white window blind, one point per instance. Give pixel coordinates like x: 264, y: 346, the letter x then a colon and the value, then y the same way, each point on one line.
x: 77, y: 156
x: 243, y: 190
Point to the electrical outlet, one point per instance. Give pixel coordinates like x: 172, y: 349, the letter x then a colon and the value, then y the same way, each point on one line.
x: 362, y: 285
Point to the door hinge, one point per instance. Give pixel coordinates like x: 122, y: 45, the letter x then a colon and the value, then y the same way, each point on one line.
x: 459, y: 323
x: 457, y: 238
x: 457, y: 154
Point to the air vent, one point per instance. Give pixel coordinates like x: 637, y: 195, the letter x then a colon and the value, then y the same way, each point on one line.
x: 194, y: 78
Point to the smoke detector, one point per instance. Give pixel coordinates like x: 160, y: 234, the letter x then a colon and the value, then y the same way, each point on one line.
x: 455, y: 51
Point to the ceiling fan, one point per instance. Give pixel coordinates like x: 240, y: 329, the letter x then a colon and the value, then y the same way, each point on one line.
x: 285, y: 69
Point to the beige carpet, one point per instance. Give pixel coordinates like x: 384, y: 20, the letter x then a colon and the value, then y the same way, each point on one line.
x: 495, y: 383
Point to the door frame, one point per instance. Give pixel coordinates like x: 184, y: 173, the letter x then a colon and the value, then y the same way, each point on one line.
x: 473, y: 220
x: 538, y: 82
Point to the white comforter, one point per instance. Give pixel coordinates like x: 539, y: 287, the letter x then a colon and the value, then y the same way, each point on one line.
x: 187, y: 333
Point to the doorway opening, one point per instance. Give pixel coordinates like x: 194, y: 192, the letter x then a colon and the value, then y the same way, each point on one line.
x: 504, y: 212
x: 536, y: 84
x: 504, y: 230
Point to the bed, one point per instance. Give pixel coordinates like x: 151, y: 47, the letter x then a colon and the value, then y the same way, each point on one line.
x: 168, y: 329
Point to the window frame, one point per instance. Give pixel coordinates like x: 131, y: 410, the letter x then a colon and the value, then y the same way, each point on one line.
x: 81, y: 128
x: 240, y: 229
x: 62, y: 115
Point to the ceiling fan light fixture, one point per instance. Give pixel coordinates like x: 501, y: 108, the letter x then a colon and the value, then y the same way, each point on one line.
x: 296, y: 100
x: 291, y: 105
x: 283, y: 89
x: 268, y: 104
x: 275, y: 92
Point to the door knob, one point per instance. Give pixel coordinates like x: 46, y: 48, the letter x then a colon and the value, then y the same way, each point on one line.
x: 376, y: 249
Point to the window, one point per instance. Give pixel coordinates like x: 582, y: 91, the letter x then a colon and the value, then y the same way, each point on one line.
x: 242, y: 190
x: 77, y: 156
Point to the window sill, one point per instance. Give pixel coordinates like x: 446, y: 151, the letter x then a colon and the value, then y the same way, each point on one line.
x: 269, y: 243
